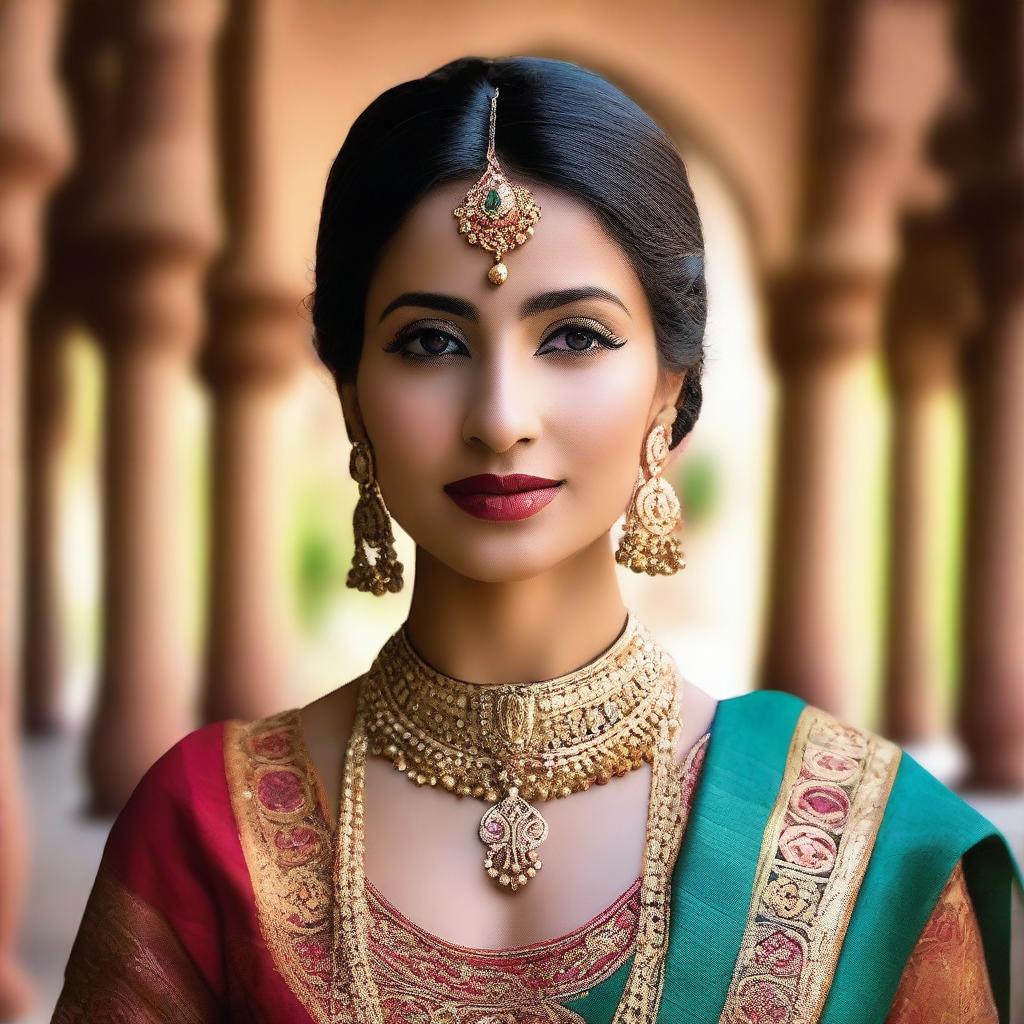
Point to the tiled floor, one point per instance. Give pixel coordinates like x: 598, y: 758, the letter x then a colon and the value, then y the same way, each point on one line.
x: 66, y: 850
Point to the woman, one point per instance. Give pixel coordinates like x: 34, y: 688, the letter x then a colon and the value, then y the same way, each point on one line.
x: 587, y: 836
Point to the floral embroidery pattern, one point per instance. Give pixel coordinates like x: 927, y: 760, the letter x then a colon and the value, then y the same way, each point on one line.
x: 422, y: 979
x: 288, y: 851
x: 945, y: 980
x: 816, y: 847
x: 414, y: 968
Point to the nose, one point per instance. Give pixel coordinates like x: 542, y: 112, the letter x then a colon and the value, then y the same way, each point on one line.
x: 503, y: 406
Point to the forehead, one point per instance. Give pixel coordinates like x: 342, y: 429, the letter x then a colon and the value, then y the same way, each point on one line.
x: 569, y: 249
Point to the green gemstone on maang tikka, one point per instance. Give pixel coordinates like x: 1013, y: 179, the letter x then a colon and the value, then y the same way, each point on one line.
x: 492, y: 203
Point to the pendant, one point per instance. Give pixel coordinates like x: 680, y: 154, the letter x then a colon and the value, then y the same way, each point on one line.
x: 512, y: 830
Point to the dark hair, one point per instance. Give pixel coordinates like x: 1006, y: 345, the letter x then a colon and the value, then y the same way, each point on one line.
x: 558, y: 123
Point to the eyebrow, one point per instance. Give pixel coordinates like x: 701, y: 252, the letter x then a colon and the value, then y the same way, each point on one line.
x: 535, y: 304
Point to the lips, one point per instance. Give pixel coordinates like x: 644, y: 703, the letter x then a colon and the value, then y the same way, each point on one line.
x: 516, y: 496
x: 489, y: 483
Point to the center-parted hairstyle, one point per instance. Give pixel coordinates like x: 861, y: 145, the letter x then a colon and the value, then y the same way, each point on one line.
x: 559, y: 124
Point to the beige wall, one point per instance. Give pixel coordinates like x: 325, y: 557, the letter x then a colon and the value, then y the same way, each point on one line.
x: 726, y: 77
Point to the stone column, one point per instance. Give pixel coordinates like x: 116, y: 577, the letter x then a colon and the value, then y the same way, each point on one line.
x: 88, y: 69
x: 823, y: 330
x: 988, y: 171
x: 930, y: 312
x: 151, y: 230
x: 46, y: 423
x: 253, y: 347
x: 873, y: 90
x: 34, y: 151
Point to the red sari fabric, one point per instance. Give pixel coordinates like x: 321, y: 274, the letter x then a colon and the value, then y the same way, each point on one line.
x: 172, y: 931
x: 175, y: 848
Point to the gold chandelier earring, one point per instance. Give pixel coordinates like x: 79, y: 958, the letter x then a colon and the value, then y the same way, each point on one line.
x: 648, y: 543
x: 371, y: 525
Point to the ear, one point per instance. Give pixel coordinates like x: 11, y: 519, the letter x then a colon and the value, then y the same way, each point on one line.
x: 670, y: 386
x: 669, y: 392
x: 351, y: 412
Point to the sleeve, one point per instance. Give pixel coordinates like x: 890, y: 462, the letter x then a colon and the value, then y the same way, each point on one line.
x: 945, y: 977
x: 148, y: 948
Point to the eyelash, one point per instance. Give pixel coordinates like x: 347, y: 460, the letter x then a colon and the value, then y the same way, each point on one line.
x: 584, y: 325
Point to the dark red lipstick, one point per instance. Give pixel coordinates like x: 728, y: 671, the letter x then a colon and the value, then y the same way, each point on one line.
x: 515, y: 496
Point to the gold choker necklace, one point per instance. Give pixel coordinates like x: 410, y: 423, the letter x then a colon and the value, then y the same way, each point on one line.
x: 511, y: 743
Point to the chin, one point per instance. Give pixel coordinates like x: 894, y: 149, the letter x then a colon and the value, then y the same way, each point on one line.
x: 496, y: 560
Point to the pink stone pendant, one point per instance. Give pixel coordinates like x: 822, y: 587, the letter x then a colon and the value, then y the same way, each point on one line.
x: 512, y: 830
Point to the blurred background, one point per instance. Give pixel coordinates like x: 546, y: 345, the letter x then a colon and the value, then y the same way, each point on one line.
x: 175, y: 505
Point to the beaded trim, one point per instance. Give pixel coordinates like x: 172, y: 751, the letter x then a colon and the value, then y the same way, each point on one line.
x: 511, y: 743
x: 550, y: 737
x: 816, y: 848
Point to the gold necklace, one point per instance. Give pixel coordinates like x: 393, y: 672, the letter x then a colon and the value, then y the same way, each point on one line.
x: 354, y: 990
x: 515, y: 742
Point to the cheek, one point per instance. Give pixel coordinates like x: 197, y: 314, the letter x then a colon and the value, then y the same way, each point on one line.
x: 412, y: 428
x: 603, y: 431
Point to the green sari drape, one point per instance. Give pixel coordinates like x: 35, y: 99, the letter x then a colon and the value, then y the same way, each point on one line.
x: 850, y: 966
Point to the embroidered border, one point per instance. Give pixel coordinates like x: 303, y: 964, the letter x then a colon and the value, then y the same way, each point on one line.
x: 412, y: 959
x: 288, y: 852
x: 816, y: 848
x: 280, y: 810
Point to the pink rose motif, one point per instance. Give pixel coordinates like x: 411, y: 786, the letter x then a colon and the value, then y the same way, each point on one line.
x: 761, y: 1002
x: 274, y: 746
x: 808, y: 847
x: 945, y: 929
x: 829, y: 765
x: 297, y: 845
x: 281, y: 791
x: 779, y: 953
x: 823, y: 803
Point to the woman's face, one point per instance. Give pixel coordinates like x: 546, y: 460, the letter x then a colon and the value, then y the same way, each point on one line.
x: 553, y: 373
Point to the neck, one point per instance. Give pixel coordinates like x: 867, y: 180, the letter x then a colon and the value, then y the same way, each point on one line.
x: 516, y: 630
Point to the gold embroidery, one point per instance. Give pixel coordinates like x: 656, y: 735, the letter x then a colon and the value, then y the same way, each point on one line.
x: 353, y: 977
x: 816, y: 848
x: 287, y: 851
x: 282, y: 815
x: 946, y: 977
x: 560, y: 968
x: 128, y: 964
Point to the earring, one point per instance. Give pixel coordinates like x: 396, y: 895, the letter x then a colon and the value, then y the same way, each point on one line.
x: 647, y: 544
x: 371, y: 525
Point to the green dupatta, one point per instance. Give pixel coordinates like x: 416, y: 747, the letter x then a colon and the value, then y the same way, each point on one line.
x: 728, y: 850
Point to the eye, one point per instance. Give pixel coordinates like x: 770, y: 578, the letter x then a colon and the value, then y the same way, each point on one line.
x: 582, y: 337
x: 433, y: 340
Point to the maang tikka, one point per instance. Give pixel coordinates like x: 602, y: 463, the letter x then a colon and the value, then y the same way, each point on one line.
x: 496, y: 214
x: 648, y: 543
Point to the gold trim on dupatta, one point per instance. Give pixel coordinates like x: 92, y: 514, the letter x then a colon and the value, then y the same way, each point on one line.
x: 816, y: 848
x: 288, y: 852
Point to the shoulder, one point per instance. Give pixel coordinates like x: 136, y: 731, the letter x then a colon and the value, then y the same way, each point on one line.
x: 192, y: 760
x: 185, y: 772
x: 808, y: 740
x: 179, y: 806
